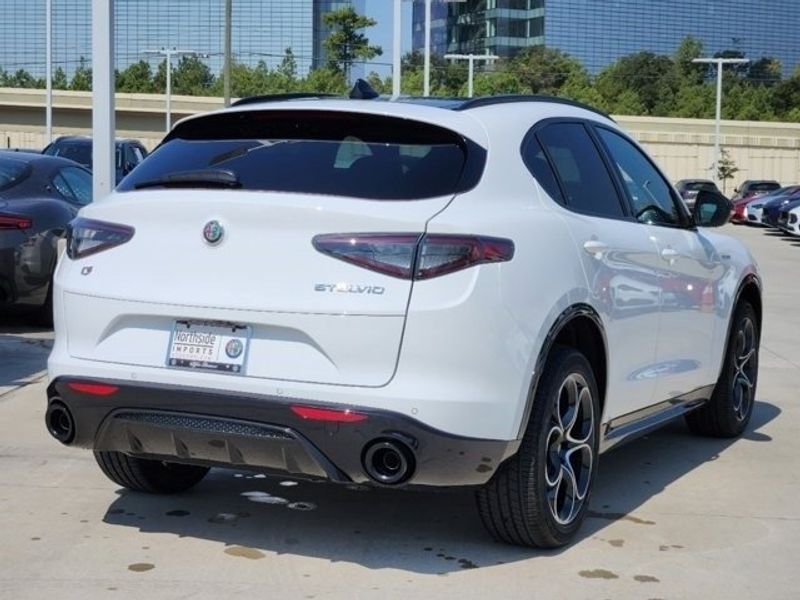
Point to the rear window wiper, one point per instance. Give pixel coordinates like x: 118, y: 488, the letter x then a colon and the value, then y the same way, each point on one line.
x: 216, y: 178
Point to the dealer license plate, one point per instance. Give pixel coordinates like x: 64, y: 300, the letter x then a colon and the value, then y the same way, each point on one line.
x: 209, y: 346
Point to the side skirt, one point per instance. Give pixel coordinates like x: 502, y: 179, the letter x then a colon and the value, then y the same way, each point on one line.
x: 643, y: 421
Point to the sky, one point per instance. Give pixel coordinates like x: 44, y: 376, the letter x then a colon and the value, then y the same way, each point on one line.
x: 381, y: 34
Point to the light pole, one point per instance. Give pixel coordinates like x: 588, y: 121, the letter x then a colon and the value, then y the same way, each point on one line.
x: 471, y: 58
x: 226, y: 71
x: 720, y: 63
x: 103, y: 122
x: 168, y: 54
x: 49, y: 68
x: 397, y: 27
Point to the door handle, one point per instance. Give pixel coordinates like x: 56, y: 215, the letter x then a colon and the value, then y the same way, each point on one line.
x: 595, y: 248
x: 670, y: 255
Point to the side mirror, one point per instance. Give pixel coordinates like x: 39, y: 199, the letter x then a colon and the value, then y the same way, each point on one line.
x: 711, y: 209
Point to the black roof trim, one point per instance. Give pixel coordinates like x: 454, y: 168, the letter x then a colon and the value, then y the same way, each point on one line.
x: 281, y: 98
x: 512, y: 98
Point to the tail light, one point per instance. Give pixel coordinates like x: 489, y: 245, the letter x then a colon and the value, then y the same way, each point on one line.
x: 86, y: 237
x: 14, y: 222
x: 414, y: 255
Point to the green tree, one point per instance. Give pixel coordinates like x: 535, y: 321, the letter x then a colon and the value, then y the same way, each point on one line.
x: 542, y: 70
x: 60, y: 81
x: 288, y: 67
x: 688, y: 72
x: 22, y: 79
x: 786, y: 97
x: 650, y: 76
x: 346, y: 43
x: 726, y: 169
x: 82, y: 77
x: 191, y: 77
x: 137, y: 78
x: 324, y: 81
x: 765, y: 71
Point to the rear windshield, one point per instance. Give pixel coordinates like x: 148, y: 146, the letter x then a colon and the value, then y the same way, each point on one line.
x: 765, y: 186
x: 79, y: 152
x: 12, y: 172
x: 316, y: 152
x: 696, y: 186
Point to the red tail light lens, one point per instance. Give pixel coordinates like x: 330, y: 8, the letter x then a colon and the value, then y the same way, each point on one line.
x: 14, y: 222
x: 414, y: 255
x: 325, y: 414
x: 86, y: 237
x: 93, y: 389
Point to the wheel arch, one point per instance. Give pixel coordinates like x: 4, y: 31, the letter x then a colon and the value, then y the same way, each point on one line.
x: 579, y: 327
x: 749, y: 290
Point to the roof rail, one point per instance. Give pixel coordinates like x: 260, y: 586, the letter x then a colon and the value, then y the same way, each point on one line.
x: 511, y: 98
x: 281, y: 97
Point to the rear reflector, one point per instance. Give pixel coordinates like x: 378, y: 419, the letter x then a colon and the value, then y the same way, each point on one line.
x: 93, y: 389
x: 329, y: 415
x: 414, y: 255
x: 14, y: 222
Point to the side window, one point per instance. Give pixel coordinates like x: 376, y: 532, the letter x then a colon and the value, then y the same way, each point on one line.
x: 80, y: 182
x: 62, y: 187
x: 536, y: 161
x: 652, y: 198
x: 584, y: 178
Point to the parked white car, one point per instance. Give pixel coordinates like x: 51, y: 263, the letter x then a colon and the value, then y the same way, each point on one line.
x: 400, y: 293
x: 789, y: 221
x: 754, y: 212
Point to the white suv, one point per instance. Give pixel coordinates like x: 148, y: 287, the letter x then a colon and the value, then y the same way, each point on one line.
x: 483, y: 293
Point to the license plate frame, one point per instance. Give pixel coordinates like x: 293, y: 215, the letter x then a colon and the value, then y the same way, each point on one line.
x: 197, y: 352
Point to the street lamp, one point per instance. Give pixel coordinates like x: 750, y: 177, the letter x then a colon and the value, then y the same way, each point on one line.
x: 719, y: 62
x: 168, y: 54
x: 471, y: 58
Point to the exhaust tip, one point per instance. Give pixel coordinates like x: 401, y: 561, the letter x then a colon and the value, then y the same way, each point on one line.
x: 59, y: 422
x: 388, y: 462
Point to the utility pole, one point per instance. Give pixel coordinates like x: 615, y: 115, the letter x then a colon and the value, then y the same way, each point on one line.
x: 471, y: 58
x: 168, y: 54
x: 397, y: 26
x: 720, y: 63
x: 49, y: 68
x: 226, y: 72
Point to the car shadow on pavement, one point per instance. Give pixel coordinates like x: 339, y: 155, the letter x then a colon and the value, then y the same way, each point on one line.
x: 23, y: 351
x: 252, y: 514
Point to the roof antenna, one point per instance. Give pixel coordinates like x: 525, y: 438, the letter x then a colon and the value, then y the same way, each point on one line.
x: 362, y: 90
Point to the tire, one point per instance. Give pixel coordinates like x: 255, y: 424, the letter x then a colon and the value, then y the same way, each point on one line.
x: 151, y: 476
x: 728, y: 412
x: 532, y: 500
x: 43, y: 316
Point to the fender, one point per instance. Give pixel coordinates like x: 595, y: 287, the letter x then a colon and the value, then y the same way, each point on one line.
x: 565, y: 318
x: 753, y: 278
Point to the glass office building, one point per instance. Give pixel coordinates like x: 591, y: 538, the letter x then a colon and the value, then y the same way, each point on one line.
x: 598, y: 32
x: 262, y: 30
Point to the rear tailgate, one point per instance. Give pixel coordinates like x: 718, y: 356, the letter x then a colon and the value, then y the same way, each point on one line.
x: 308, y: 316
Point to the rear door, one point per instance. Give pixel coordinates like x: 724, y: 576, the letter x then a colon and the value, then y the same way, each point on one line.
x: 258, y: 252
x: 617, y: 255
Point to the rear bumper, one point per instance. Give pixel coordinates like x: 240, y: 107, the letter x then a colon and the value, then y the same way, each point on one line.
x: 219, y: 428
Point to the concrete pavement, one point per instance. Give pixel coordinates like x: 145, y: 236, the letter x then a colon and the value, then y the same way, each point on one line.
x: 674, y: 516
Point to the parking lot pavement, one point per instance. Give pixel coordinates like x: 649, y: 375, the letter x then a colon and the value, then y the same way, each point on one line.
x: 23, y: 353
x: 674, y: 516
